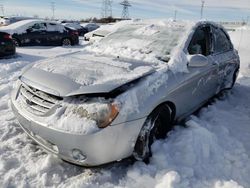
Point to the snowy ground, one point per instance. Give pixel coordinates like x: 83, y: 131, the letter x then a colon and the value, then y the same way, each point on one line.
x: 213, y: 151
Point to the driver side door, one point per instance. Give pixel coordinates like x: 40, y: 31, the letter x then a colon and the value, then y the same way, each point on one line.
x: 36, y: 34
x: 201, y: 81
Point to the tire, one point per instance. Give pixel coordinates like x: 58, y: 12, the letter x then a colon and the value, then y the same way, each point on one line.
x: 16, y: 42
x: 66, y: 42
x: 157, y: 125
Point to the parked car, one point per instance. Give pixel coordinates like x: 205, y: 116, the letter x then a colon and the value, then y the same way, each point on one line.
x: 115, y: 98
x: 104, y: 30
x: 4, y: 21
x: 7, y: 46
x: 40, y: 32
x: 81, y: 30
x: 90, y: 26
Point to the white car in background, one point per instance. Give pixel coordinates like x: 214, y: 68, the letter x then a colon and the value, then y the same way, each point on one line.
x: 116, y: 97
x: 104, y: 30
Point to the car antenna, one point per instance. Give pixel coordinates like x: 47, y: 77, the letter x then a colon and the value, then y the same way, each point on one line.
x: 241, y: 35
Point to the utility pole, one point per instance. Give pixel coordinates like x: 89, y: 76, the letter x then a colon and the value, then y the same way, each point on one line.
x: 202, y: 8
x: 175, y: 15
x: 2, y: 9
x: 53, y: 7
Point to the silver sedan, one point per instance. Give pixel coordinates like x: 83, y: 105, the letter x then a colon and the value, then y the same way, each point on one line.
x: 117, y: 96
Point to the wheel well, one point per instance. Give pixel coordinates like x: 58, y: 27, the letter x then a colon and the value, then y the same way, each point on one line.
x: 139, y: 151
x: 172, y: 107
x: 67, y: 38
x: 14, y: 38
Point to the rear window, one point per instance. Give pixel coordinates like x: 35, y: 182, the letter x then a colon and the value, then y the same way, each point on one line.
x: 222, y: 42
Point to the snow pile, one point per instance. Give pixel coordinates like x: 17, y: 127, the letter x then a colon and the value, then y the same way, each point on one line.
x: 239, y: 38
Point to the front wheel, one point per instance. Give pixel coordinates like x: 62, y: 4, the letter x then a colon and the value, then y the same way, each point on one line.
x: 66, y: 42
x: 157, y: 125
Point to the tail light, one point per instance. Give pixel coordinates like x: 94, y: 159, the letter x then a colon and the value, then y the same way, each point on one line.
x: 74, y: 33
x: 7, y: 36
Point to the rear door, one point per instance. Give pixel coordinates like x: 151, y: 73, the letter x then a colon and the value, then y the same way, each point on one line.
x: 55, y: 33
x: 224, y: 56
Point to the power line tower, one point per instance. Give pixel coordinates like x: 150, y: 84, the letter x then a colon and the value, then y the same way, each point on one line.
x: 202, y: 8
x: 53, y: 8
x: 106, y: 8
x: 125, y: 12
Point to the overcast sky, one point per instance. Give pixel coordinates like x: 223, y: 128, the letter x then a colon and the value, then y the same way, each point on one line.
x: 218, y: 10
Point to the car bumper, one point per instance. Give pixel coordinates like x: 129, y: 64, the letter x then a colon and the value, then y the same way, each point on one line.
x: 7, y: 48
x: 109, y: 144
x: 75, y: 40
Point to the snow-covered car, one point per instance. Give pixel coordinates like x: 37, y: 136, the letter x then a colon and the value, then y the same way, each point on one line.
x: 41, y: 32
x: 104, y: 30
x: 90, y: 26
x: 81, y: 30
x: 113, y: 99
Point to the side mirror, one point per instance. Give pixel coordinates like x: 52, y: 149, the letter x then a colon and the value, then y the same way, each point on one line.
x: 197, y: 60
x: 28, y: 30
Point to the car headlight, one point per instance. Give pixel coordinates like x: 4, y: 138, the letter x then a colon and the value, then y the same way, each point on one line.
x: 102, y: 113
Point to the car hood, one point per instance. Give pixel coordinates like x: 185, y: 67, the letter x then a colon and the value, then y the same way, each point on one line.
x: 81, y: 73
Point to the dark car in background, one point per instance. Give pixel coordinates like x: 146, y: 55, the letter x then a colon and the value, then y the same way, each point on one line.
x: 7, y: 46
x: 74, y: 25
x: 90, y: 26
x: 41, y: 33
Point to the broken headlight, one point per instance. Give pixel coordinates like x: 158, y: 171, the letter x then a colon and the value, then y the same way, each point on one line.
x: 103, y: 113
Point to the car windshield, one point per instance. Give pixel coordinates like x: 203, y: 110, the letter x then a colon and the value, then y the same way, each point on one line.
x: 143, y: 41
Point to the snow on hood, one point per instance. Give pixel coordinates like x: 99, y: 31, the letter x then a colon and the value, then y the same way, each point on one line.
x: 82, y: 73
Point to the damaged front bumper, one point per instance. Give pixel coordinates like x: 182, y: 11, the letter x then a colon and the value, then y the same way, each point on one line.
x: 109, y: 144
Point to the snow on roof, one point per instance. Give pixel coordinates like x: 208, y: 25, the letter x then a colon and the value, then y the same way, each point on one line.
x: 146, y: 40
x: 21, y: 26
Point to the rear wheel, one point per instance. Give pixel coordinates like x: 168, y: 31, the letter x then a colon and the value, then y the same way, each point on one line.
x: 16, y: 42
x: 66, y: 42
x: 157, y: 125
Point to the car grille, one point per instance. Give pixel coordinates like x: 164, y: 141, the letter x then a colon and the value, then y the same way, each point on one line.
x: 36, y: 101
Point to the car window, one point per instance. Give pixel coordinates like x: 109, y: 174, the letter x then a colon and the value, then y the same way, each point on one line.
x: 200, y: 42
x: 221, y: 41
x: 55, y: 27
x: 52, y: 27
x: 38, y: 27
